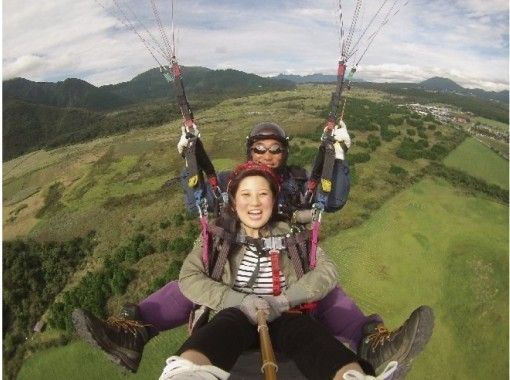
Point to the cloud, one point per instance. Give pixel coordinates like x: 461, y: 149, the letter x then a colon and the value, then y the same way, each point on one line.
x: 415, y: 74
x: 482, y: 7
x: 81, y: 39
x: 22, y: 65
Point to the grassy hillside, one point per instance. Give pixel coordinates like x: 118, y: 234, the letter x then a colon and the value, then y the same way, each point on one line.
x: 39, y: 115
x: 436, y: 261
x: 116, y: 187
x: 476, y: 159
x: 451, y: 255
x: 63, y: 363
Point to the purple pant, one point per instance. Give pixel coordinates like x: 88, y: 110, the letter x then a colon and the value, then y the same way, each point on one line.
x: 168, y: 308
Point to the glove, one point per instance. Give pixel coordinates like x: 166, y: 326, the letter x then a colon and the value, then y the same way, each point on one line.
x: 278, y: 305
x: 183, y: 141
x: 251, y: 304
x: 342, y: 140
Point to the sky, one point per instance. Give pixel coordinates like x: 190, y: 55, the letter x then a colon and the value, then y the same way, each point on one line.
x: 463, y: 40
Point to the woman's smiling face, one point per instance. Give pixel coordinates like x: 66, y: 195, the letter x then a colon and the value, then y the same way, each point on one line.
x: 254, y: 203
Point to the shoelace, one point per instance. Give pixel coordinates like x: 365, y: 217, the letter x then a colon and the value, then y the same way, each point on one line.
x: 384, y: 375
x: 177, y: 366
x: 125, y: 324
x: 377, y: 338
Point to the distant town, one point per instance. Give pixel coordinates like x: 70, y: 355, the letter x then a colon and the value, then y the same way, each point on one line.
x: 446, y: 114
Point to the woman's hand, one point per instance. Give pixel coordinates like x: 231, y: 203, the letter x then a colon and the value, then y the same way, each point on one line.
x: 251, y: 304
x: 279, y: 304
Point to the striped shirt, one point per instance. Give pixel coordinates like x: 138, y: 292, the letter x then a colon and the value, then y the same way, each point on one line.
x: 255, y: 273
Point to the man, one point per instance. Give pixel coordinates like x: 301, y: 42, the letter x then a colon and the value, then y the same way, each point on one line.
x: 123, y: 339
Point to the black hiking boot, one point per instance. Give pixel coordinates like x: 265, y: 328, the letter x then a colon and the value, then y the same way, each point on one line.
x: 380, y: 346
x: 121, y: 339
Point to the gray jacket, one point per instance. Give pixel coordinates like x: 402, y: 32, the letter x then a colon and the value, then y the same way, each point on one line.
x: 202, y: 290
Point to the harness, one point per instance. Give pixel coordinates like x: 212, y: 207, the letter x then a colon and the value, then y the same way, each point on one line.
x: 301, y: 246
x: 219, y: 244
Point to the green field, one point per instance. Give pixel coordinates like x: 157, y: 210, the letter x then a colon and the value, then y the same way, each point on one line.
x: 79, y: 361
x: 493, y: 123
x: 452, y: 255
x: 479, y: 161
x: 430, y: 240
x: 433, y: 245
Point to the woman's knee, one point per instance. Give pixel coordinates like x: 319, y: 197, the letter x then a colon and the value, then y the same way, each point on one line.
x: 233, y: 316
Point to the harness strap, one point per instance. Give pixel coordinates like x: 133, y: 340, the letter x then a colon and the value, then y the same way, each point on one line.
x: 205, y: 242
x: 219, y: 232
x: 296, y: 245
x: 292, y: 248
x: 275, y: 269
x: 303, y: 240
x: 221, y: 260
x: 222, y: 239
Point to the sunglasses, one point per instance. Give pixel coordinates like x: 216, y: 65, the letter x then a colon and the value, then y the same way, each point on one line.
x: 261, y: 149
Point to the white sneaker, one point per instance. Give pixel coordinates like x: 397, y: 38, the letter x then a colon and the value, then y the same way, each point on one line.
x: 178, y: 368
x: 385, y: 375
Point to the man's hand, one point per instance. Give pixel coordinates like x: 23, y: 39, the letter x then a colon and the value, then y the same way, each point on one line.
x: 251, y: 304
x: 186, y: 133
x: 342, y: 140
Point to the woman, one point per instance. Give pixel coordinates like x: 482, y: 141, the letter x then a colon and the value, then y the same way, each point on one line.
x: 255, y: 279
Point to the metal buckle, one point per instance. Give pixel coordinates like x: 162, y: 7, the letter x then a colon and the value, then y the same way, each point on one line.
x: 273, y: 243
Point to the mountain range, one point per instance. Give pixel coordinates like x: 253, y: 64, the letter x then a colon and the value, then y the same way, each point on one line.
x: 432, y: 84
x: 44, y: 114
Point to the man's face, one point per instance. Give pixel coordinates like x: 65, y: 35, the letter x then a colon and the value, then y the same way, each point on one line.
x: 269, y: 152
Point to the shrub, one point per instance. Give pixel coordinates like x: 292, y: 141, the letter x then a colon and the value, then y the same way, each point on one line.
x: 181, y: 245
x: 458, y: 177
x: 428, y: 117
x: 398, y: 171
x: 359, y: 158
x: 437, y: 152
x: 408, y: 150
x: 192, y: 230
x: 373, y: 142
x: 165, y: 223
x: 422, y: 143
x: 163, y: 245
x: 305, y: 156
x: 178, y: 219
x: 52, y: 201
x: 171, y: 274
x: 119, y: 280
x: 387, y: 134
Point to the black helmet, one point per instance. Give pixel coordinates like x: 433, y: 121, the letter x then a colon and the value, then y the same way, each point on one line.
x: 264, y: 131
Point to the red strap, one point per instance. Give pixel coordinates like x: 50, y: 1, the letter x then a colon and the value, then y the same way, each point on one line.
x: 312, y: 185
x: 213, y: 181
x: 275, y: 268
x: 304, y: 307
x: 341, y: 69
x: 176, y: 70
